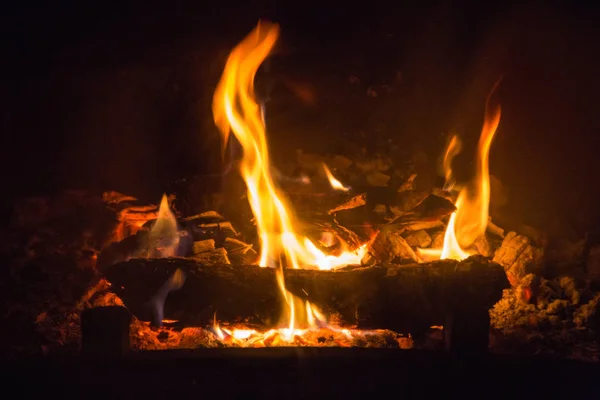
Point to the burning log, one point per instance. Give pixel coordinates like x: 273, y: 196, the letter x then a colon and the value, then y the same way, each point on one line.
x: 407, y: 298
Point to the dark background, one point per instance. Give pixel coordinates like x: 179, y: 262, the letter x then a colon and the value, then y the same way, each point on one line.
x: 106, y: 96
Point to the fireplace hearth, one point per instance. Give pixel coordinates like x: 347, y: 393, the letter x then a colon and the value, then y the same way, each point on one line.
x: 349, y: 248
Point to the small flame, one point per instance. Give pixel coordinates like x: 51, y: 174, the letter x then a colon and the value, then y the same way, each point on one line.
x: 471, y: 217
x: 164, y: 235
x: 217, y: 329
x: 452, y: 150
x: 335, y: 184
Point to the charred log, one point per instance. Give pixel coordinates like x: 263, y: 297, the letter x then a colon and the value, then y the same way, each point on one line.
x: 406, y: 299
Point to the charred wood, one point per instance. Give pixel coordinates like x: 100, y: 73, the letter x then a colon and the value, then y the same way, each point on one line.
x: 402, y: 298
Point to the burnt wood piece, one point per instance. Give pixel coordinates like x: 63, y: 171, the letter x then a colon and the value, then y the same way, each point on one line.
x: 406, y: 299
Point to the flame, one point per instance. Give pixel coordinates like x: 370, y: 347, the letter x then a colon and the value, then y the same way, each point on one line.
x: 236, y: 110
x: 164, y: 235
x: 471, y: 217
x: 452, y: 150
x: 335, y: 184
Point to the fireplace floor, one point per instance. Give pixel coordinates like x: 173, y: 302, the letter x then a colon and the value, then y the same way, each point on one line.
x: 303, y: 373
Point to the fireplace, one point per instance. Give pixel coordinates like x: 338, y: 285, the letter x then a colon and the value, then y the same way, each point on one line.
x: 342, y: 248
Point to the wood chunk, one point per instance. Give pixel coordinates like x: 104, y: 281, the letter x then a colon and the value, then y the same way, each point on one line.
x: 518, y: 257
x: 339, y: 162
x: 407, y: 200
x: 239, y: 252
x: 433, y: 208
x: 378, y: 179
x: 250, y: 257
x: 235, y: 246
x: 113, y: 197
x: 408, y: 185
x: 411, y: 223
x: 218, y: 231
x: 131, y: 219
x: 437, y: 240
x: 390, y: 246
x: 214, y: 257
x: 207, y: 217
x: 202, y: 246
x: 418, y: 238
x: 356, y: 201
x: 450, y: 196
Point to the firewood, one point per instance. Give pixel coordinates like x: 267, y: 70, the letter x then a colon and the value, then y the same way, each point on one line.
x: 202, y: 246
x: 208, y: 229
x: 407, y: 200
x: 390, y: 246
x: 518, y: 257
x: 407, y: 298
x: 418, y: 238
x: 356, y: 201
x: 408, y: 185
x: 213, y: 257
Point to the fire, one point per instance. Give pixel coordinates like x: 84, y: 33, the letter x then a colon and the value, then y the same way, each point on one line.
x: 164, y: 235
x: 471, y: 217
x: 335, y: 184
x: 236, y: 110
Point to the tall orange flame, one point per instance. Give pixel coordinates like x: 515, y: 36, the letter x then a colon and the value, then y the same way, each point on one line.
x: 236, y: 110
x: 470, y: 219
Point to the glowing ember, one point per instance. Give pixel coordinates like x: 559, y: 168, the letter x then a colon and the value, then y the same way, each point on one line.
x: 335, y: 184
x: 145, y: 338
x: 470, y: 219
